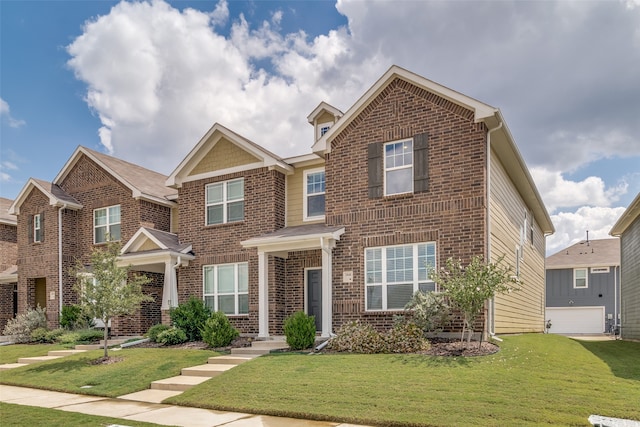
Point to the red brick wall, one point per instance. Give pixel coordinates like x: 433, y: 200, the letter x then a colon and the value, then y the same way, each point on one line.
x: 264, y: 192
x: 8, y: 246
x: 6, y: 304
x: 451, y: 213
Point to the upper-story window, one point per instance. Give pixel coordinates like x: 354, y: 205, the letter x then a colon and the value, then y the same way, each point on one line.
x: 314, y: 194
x: 398, y: 167
x: 225, y: 202
x: 37, y: 228
x: 323, y: 128
x: 394, y: 273
x: 106, y: 224
x: 580, y: 280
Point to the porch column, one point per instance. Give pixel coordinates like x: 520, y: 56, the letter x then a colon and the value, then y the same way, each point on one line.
x: 327, y: 298
x: 170, y: 289
x: 263, y: 295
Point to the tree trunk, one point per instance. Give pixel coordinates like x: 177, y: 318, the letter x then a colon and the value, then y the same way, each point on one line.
x: 106, y: 336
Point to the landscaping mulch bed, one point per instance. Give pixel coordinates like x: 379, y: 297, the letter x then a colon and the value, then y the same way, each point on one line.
x: 454, y: 348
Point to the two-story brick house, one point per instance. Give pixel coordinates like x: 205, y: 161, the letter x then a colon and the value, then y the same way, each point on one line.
x: 8, y: 268
x: 94, y: 197
x: 412, y: 174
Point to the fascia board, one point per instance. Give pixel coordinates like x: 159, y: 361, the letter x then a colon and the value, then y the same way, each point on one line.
x: 627, y: 217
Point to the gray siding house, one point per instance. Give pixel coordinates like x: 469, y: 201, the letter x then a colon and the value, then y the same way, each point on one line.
x: 628, y: 229
x: 583, y: 288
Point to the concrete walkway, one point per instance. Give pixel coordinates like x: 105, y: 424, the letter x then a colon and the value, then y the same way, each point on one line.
x: 145, y: 405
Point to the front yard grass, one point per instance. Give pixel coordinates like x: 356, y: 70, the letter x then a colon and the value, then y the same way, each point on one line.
x: 136, y: 372
x: 11, y: 353
x: 534, y: 379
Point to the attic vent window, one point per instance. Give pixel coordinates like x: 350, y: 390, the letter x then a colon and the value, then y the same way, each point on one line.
x: 599, y: 269
x: 323, y: 128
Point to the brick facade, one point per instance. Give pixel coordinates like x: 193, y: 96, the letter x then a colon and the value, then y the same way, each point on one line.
x: 93, y: 188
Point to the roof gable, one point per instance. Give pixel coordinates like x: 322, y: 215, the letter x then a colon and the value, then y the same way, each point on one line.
x: 150, y: 239
x: 200, y: 163
x: 143, y: 183
x: 55, y: 194
x: 5, y: 217
x: 627, y: 218
x: 586, y: 253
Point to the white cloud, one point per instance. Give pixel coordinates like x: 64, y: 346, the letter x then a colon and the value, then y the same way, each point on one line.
x: 557, y: 192
x: 5, y: 112
x: 572, y: 227
x: 220, y: 14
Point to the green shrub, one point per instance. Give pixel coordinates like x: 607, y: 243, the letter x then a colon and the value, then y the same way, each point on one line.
x: 21, y: 327
x: 218, y: 331
x: 172, y: 336
x: 357, y: 337
x: 155, y: 330
x: 43, y: 335
x: 72, y: 318
x: 300, y: 331
x: 83, y: 336
x: 69, y: 338
x: 406, y: 337
x: 191, y: 317
x: 429, y: 310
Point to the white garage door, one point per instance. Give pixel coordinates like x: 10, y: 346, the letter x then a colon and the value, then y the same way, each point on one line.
x: 576, y: 320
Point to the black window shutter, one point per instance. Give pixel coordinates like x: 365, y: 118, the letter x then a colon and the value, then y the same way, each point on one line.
x: 374, y: 152
x: 30, y: 228
x: 420, y: 163
x: 42, y: 226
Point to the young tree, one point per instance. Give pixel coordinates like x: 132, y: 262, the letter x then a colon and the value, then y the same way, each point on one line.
x: 107, y: 290
x: 470, y: 287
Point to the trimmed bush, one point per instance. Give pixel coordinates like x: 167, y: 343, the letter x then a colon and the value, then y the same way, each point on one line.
x: 218, y: 331
x: 300, y: 331
x: 357, y: 337
x: 45, y: 336
x: 406, y: 337
x: 72, y: 318
x: 84, y: 336
x: 190, y: 317
x: 155, y: 330
x: 429, y: 310
x: 21, y: 327
x: 172, y: 336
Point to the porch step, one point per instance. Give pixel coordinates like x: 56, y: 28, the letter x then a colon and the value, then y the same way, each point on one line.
x: 208, y: 370
x: 275, y: 344
x: 248, y: 351
x: 151, y: 395
x: 179, y: 383
x: 111, y: 342
x: 29, y: 360
x: 64, y: 352
x: 87, y: 347
x: 235, y: 359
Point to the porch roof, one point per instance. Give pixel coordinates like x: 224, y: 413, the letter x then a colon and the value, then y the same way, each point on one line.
x: 10, y: 275
x: 297, y: 238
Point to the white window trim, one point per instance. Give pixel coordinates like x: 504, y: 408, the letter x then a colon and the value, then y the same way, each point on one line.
x: 586, y: 278
x: 305, y: 216
x: 599, y: 270
x: 37, y: 229
x: 215, y: 294
x: 107, y: 225
x: 385, y: 170
x: 224, y: 203
x: 416, y: 281
x: 323, y: 125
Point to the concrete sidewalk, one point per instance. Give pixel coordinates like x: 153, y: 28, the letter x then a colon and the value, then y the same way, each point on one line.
x: 148, y: 412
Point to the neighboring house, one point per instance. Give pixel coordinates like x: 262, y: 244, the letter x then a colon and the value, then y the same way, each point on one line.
x: 583, y: 287
x: 93, y: 198
x: 628, y: 229
x: 8, y: 259
x: 412, y: 174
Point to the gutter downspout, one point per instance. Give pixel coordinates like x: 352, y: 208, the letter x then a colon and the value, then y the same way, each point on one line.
x: 615, y: 299
x: 492, y: 308
x: 64, y: 206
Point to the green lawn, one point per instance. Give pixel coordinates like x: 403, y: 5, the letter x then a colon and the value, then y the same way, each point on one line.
x: 138, y: 369
x: 11, y: 353
x: 533, y: 380
x: 19, y: 416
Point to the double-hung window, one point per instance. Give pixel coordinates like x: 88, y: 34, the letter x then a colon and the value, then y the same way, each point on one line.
x: 225, y: 202
x: 580, y: 278
x: 37, y: 228
x: 226, y: 288
x: 398, y: 167
x: 314, y: 194
x: 394, y: 273
x: 106, y: 224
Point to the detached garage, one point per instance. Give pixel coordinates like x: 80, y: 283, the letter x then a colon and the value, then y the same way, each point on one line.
x: 576, y: 320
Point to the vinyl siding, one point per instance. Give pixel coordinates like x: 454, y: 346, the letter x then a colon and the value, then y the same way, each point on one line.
x: 222, y: 156
x: 521, y: 311
x: 630, y: 281
x: 295, y: 192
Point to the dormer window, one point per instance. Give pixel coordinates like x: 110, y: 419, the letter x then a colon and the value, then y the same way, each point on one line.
x: 323, y: 128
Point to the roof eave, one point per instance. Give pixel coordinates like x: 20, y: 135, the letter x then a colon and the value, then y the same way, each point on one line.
x: 627, y: 217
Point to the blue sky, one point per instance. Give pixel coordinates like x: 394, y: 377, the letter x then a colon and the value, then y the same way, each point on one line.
x: 145, y: 80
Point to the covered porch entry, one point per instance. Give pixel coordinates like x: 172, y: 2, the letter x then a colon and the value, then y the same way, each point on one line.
x: 317, y: 280
x: 160, y: 253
